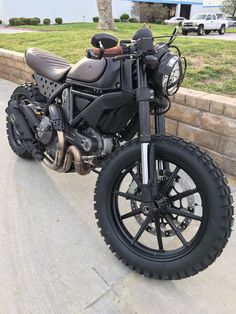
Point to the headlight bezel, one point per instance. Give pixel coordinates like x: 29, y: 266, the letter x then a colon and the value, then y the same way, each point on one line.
x: 164, y: 75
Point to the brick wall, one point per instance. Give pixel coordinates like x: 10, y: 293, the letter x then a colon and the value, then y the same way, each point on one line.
x: 205, y: 119
x: 208, y: 120
x: 13, y: 67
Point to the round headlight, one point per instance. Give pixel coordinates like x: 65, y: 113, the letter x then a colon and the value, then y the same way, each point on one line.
x: 169, y: 74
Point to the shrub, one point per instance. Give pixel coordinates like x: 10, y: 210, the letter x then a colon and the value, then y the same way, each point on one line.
x: 12, y: 20
x: 26, y: 21
x: 0, y: 22
x: 117, y: 20
x: 58, y: 20
x: 34, y: 21
x: 133, y: 20
x: 124, y: 17
x: 22, y: 20
x: 158, y: 21
x: 17, y: 22
x: 37, y: 19
x: 46, y: 21
x: 95, y: 19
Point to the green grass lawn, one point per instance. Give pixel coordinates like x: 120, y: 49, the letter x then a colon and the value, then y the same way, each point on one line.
x: 231, y: 30
x: 211, y: 63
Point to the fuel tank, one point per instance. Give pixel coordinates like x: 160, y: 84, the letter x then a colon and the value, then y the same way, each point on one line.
x: 87, y: 70
x: 102, y: 74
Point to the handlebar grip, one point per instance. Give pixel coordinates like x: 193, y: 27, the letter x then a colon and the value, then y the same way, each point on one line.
x: 109, y: 52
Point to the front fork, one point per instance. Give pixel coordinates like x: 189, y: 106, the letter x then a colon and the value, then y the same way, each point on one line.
x: 144, y: 95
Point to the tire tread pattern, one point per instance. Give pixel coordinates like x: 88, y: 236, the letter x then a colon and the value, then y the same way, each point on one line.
x: 224, y: 193
x: 31, y: 91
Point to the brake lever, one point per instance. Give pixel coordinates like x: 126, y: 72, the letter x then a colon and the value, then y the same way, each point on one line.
x: 128, y: 56
x: 122, y: 58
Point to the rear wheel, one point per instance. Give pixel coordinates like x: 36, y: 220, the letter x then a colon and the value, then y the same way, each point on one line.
x: 27, y: 91
x: 222, y: 30
x: 189, y: 222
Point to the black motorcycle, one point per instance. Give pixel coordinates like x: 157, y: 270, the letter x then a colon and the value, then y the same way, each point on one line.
x: 163, y: 206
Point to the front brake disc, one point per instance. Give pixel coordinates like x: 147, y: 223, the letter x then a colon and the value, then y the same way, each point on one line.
x: 182, y: 223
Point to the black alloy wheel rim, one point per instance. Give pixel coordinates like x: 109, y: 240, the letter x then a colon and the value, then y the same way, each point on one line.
x: 133, y: 241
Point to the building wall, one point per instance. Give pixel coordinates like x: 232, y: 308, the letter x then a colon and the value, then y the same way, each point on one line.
x: 212, y: 6
x: 200, y: 9
x: 197, y: 2
x: 195, y: 9
x: 197, y: 6
x: 70, y: 10
x: 79, y: 10
x: 1, y: 10
x: 212, y: 3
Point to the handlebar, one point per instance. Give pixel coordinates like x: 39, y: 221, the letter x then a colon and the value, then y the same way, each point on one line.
x: 122, y: 57
x: 132, y: 49
x: 110, y: 52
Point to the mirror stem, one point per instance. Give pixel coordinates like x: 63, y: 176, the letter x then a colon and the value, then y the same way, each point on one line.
x: 102, y: 50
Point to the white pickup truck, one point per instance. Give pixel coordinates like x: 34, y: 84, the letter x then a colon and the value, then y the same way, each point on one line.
x: 204, y: 22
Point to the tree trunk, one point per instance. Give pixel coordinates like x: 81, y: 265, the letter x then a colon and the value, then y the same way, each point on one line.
x: 234, y: 11
x: 106, y: 20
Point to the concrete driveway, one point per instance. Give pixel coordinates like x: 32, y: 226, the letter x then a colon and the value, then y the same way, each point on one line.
x: 53, y: 259
x: 226, y: 36
x: 14, y: 30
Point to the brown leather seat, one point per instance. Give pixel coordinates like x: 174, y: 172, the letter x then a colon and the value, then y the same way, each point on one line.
x: 47, y: 64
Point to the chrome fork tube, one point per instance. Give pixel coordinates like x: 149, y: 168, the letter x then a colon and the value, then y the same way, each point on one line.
x: 144, y: 159
x: 143, y: 96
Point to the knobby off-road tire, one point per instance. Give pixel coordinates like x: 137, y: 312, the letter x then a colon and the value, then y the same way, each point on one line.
x: 217, y: 211
x: 27, y: 91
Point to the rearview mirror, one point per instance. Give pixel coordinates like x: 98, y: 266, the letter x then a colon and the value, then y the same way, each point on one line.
x: 107, y: 41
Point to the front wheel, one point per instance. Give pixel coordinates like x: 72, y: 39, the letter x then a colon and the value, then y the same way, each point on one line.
x: 187, y: 225
x: 200, y: 30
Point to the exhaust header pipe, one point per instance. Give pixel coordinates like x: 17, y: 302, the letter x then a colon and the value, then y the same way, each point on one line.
x: 73, y: 154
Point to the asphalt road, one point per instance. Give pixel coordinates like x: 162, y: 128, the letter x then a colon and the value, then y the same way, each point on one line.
x: 53, y: 259
x: 226, y: 36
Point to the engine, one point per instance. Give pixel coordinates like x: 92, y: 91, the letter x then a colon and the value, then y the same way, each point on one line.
x: 45, y: 131
x: 59, y: 147
x: 48, y: 125
x: 104, y: 143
